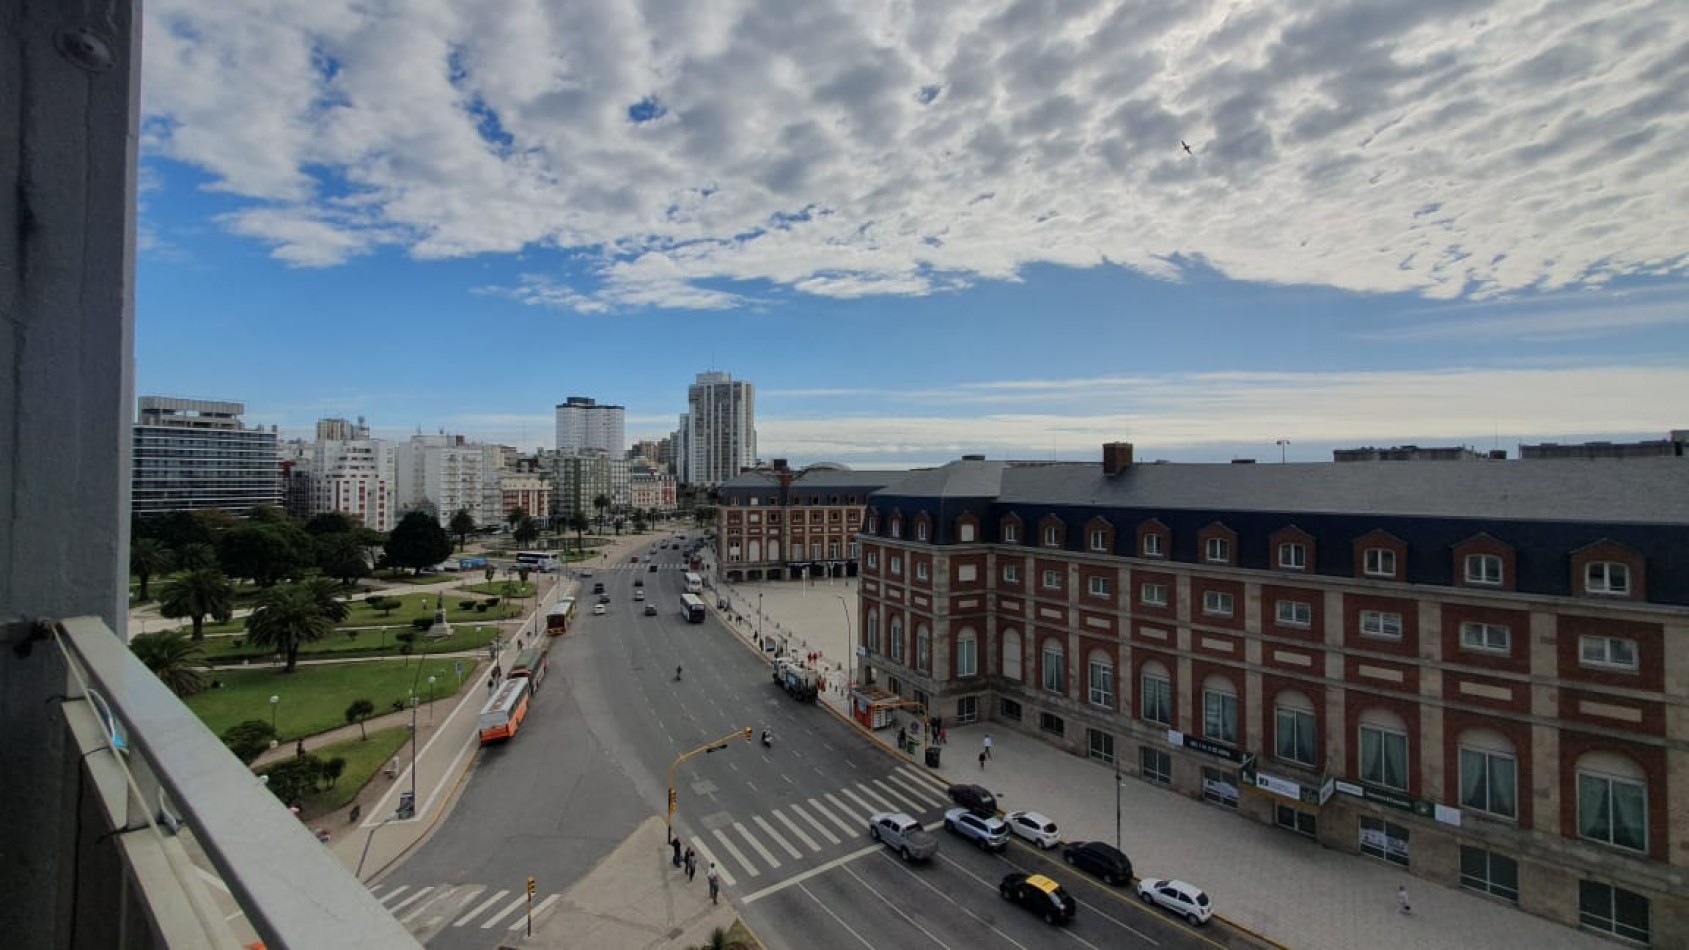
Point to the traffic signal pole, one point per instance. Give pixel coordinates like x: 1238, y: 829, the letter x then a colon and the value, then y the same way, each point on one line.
x: 704, y: 749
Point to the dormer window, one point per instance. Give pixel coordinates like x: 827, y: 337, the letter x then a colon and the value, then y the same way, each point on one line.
x: 920, y: 531
x: 1483, y: 570
x: 1011, y: 533
x: 1052, y: 536
x: 1217, y: 551
x: 1606, y: 577
x: 1153, y: 546
x: 897, y: 527
x: 1099, y: 540
x: 1380, y: 562
x: 1293, y: 556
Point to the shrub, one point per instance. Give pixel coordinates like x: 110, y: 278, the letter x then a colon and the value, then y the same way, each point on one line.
x: 248, y: 740
x: 422, y: 624
x: 480, y: 608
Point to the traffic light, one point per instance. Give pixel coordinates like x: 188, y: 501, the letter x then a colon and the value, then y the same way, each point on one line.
x: 530, y: 887
x: 673, y: 800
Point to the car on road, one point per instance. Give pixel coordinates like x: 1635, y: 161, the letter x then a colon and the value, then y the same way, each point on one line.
x: 652, y: 568
x: 902, y: 834
x: 1103, y: 860
x: 603, y: 598
x: 586, y: 573
x: 1034, y: 827
x: 974, y: 798
x: 598, y: 610
x: 650, y: 610
x: 1039, y: 894
x: 1186, y: 900
x: 598, y: 588
x: 639, y: 582
x: 638, y: 594
x: 988, y: 832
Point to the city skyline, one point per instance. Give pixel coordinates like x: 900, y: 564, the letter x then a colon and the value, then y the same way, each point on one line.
x: 965, y: 231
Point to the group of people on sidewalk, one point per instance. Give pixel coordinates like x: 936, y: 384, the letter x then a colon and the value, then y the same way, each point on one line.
x: 689, y: 861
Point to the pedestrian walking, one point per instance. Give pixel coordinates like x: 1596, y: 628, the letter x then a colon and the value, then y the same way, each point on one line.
x: 988, y: 745
x: 691, y: 864
x: 982, y: 758
x: 715, y: 883
x: 675, y: 843
x: 1402, y: 905
x: 943, y: 739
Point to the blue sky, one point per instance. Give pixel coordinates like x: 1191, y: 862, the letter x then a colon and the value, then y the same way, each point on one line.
x: 926, y: 231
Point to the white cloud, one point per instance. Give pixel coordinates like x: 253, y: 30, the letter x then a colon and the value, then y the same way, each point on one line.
x: 854, y: 147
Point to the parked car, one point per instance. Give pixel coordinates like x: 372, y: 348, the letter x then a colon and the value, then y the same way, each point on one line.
x: 902, y: 834
x: 1039, y: 894
x: 1186, y: 900
x: 650, y: 610
x: 988, y: 832
x: 1034, y: 827
x: 599, y: 610
x: 974, y: 798
x: 1103, y: 860
x: 586, y: 573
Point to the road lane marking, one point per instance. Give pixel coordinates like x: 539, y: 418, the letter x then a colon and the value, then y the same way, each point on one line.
x: 765, y: 826
x: 466, y: 918
x: 919, y: 789
x: 849, y: 813
x: 897, y: 910
x: 819, y: 869
x: 709, y: 859
x: 406, y: 902
x: 825, y: 833
x: 963, y: 907
x: 543, y: 905
x: 887, y: 804
x: 904, y: 799
x: 738, y: 855
x: 751, y: 840
x: 395, y: 892
x: 796, y: 831
x: 515, y: 905
x: 868, y: 809
x: 418, y: 909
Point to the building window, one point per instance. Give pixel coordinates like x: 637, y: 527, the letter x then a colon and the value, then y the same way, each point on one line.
x: 1484, y: 569
x: 1099, y: 745
x: 1008, y: 709
x: 1153, y: 595
x: 1052, y: 580
x: 1295, y: 819
x: 967, y: 710
x: 1217, y: 603
x: 1055, y: 679
x: 1217, y: 551
x: 1099, y: 540
x: 1380, y: 562
x: 965, y: 532
x: 1489, y: 782
x: 1156, y: 695
x: 897, y: 565
x: 873, y: 560
x: 967, y: 655
x: 1011, y: 533
x: 1293, y: 733
x: 1293, y: 556
x: 873, y: 633
x: 1153, y: 546
x: 1612, y: 653
x: 920, y: 531
x: 1295, y: 613
x: 1613, y: 910
x: 966, y: 573
x: 1011, y: 573
x: 1384, y: 759
x: 1384, y: 839
x: 1606, y: 577
x: 1383, y: 624
x: 1613, y: 810
x: 921, y: 570
x: 897, y: 640
x: 1219, y: 714
x: 1489, y: 873
x: 923, y: 649
x: 1102, y: 682
x: 1052, y: 724
x: 1155, y: 765
x: 1052, y: 536
x: 1011, y: 655
x: 897, y: 527
x: 1099, y: 587
x: 1486, y: 637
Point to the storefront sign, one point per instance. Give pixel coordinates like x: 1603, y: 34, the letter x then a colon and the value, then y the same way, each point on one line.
x: 1215, y: 749
x: 1418, y: 806
x: 1278, y: 786
x: 1327, y: 790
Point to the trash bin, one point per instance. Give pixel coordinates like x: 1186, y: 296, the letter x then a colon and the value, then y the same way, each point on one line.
x: 407, y: 805
x: 932, y: 756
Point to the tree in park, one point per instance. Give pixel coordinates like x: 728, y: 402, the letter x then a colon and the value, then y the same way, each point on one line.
x: 173, y: 657
x: 148, y: 556
x: 195, y: 556
x: 526, y: 531
x: 489, y: 572
x: 287, y: 618
x: 326, y: 595
x: 342, y: 556
x: 358, y: 712
x: 461, y: 524
x: 418, y: 542
x: 578, y: 523
x: 249, y: 739
x: 197, y: 595
x: 704, y: 516
x: 331, y: 522
x: 383, y: 603
x: 264, y: 552
x: 602, y: 503
x: 514, y: 516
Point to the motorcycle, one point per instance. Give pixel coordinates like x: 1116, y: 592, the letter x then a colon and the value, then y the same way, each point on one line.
x: 767, y: 740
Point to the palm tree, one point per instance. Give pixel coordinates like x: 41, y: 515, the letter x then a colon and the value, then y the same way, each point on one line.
x: 526, y: 531
x: 287, y: 618
x: 195, y: 556
x: 461, y: 524
x: 602, y: 503
x: 173, y: 658
x: 325, y: 593
x: 148, y: 556
x: 514, y: 516
x: 196, y: 595
x: 578, y: 522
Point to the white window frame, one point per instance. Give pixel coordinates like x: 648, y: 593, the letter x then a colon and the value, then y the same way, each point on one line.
x: 1606, y: 653
x: 1099, y: 540
x: 1480, y: 794
x: 1377, y: 624
x: 921, y: 572
x: 1051, y: 580
x: 1150, y: 587
x: 1292, y: 556
x: 1299, y: 720
x: 1486, y: 637
x: 1219, y: 715
x: 1053, y: 676
x: 897, y: 565
x: 1153, y: 546
x: 1217, y: 550
x: 1589, y: 783
x: 896, y: 630
x: 873, y: 560
x: 923, y: 648
x: 1483, y: 570
x: 1155, y: 699
x: 1218, y: 603
x: 1102, y: 696
x: 1607, y: 578
x: 1011, y: 573
x: 965, y: 532
x: 1052, y: 536
x: 1098, y: 586
x: 1289, y: 615
x: 1388, y: 740
x: 1011, y: 533
x: 967, y: 655
x: 1378, y: 562
x: 921, y: 531
x: 897, y: 527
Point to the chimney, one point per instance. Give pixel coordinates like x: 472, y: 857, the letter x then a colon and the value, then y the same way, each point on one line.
x: 1117, y: 457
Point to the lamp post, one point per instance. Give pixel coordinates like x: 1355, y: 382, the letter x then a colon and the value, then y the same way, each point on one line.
x: 759, y: 620
x: 1282, y: 443
x: 850, y: 635
x: 414, y: 742
x: 431, y: 700
x: 274, y: 701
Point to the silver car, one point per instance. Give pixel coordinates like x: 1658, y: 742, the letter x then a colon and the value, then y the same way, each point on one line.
x: 989, y: 833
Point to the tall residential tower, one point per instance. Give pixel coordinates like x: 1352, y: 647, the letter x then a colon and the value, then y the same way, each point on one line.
x: 583, y: 424
x: 719, y: 429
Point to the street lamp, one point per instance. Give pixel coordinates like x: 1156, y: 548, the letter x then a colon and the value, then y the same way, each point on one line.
x: 759, y: 620
x: 274, y: 701
x: 431, y: 700
x: 850, y: 635
x: 1281, y: 450
x: 414, y: 743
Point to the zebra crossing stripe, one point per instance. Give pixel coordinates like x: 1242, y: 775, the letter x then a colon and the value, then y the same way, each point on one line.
x: 918, y: 787
x: 539, y: 909
x: 765, y: 826
x: 466, y: 918
x: 407, y: 901
x: 819, y: 827
x: 797, y: 832
x: 751, y: 840
x: 515, y: 905
x: 905, y: 802
x: 418, y: 909
x: 738, y: 855
x: 849, y: 813
x: 395, y: 892
x: 709, y: 859
x: 867, y: 809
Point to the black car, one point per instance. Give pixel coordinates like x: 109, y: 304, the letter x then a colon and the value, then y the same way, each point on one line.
x: 1103, y: 860
x: 650, y: 610
x: 1041, y: 895
x: 639, y: 582
x: 603, y: 598
x: 974, y: 798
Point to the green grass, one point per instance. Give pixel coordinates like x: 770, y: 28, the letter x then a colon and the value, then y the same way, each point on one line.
x: 459, y: 609
x: 363, y: 759
x: 406, y: 577
x: 314, y: 698
x: 496, y: 589
x: 366, y: 642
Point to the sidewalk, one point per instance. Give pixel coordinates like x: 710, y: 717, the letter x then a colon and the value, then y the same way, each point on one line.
x: 1288, y: 889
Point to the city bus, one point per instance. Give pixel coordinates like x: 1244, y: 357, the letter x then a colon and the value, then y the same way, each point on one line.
x: 503, y: 714
x: 694, y: 583
x: 692, y: 608
x: 531, y: 664
x: 558, y: 618
x: 543, y: 561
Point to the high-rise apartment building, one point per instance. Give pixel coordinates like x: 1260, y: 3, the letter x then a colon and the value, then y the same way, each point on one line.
x: 720, y: 429
x: 357, y: 477
x: 451, y: 475
x: 583, y: 424
x: 577, y: 480
x: 196, y: 453
x: 342, y: 429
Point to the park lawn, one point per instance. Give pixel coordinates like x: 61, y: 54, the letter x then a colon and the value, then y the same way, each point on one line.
x: 314, y: 698
x: 459, y: 609
x: 497, y: 589
x: 369, y: 641
x: 364, y: 757
x: 406, y: 577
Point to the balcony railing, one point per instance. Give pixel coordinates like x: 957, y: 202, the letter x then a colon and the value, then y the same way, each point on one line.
x: 158, y: 786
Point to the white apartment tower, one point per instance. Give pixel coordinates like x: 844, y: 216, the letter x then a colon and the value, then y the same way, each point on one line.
x: 450, y: 474
x: 583, y: 424
x: 720, y: 429
x: 357, y: 477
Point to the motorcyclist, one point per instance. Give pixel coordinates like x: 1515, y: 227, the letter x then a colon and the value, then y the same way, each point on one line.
x: 767, y: 737
x: 677, y: 674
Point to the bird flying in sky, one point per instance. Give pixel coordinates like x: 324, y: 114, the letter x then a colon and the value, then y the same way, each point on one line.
x: 1187, y: 148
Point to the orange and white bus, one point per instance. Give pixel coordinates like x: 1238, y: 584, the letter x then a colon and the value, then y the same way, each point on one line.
x: 503, y: 714
x: 530, y: 664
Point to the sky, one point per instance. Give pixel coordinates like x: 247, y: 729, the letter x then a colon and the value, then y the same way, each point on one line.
x: 926, y: 228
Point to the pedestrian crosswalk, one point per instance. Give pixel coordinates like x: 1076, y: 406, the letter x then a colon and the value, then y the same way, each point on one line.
x: 429, y: 909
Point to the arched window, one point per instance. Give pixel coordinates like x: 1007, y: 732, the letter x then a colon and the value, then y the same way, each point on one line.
x: 1100, y: 675
x: 1155, y: 691
x: 1384, y: 749
x: 1011, y: 655
x: 967, y: 653
x: 1219, y: 709
x: 1613, y: 801
x: 1055, y: 666
x: 897, y: 640
x: 873, y: 631
x: 923, y: 648
x: 1295, y: 734
x: 1489, y: 773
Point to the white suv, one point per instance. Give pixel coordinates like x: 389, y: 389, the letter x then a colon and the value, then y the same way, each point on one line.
x: 1186, y: 900
x: 1034, y: 827
x: 989, y: 833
